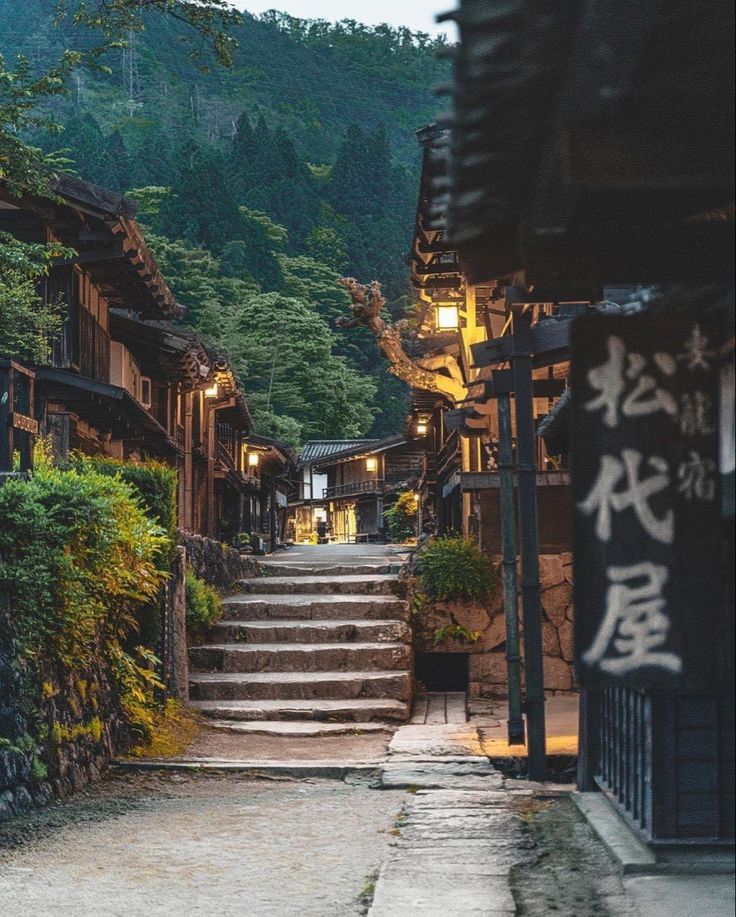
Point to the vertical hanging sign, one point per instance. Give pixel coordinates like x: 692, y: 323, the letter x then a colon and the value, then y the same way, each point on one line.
x: 648, y: 568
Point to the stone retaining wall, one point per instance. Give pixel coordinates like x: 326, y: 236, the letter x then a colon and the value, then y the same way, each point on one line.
x: 217, y: 564
x: 79, y: 729
x: 487, y: 655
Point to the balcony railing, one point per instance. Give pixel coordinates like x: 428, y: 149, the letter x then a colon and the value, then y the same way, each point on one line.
x: 225, y: 457
x: 356, y: 487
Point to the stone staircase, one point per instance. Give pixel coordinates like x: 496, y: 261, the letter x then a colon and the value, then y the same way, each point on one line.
x: 324, y: 642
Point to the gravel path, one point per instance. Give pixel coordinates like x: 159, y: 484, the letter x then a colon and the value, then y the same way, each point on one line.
x: 166, y: 845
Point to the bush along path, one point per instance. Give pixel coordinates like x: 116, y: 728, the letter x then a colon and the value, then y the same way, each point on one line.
x: 311, y: 642
x: 83, y: 560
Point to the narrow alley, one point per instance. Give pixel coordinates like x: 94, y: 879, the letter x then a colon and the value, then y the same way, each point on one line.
x: 310, y: 800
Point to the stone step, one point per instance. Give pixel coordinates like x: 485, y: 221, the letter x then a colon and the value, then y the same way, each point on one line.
x: 356, y: 710
x: 311, y: 631
x: 362, y: 584
x: 297, y: 730
x: 300, y: 657
x: 330, y: 569
x: 300, y: 686
x: 315, y: 607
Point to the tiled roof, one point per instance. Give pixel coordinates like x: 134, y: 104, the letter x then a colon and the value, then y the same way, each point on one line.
x: 317, y: 449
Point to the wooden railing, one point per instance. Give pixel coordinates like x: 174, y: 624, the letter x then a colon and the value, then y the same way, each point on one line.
x: 225, y: 456
x: 624, y: 771
x: 356, y: 487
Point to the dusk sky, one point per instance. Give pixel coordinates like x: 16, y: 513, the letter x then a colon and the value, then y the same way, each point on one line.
x: 416, y: 14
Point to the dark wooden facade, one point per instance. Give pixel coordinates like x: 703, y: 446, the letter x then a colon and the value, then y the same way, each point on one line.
x: 591, y: 152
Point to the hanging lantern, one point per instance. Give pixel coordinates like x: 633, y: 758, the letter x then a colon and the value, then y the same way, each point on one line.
x: 447, y: 316
x: 253, y: 459
x: 371, y: 464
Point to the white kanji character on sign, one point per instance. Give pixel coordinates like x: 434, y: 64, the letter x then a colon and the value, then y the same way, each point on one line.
x: 697, y: 353
x: 610, y: 381
x: 635, y: 625
x: 604, y: 498
x: 695, y: 416
x: 696, y: 476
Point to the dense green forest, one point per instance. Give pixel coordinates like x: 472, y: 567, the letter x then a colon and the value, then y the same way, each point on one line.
x: 258, y: 185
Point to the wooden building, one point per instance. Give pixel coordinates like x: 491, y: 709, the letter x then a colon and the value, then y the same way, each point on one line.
x: 459, y: 330
x: 345, y: 486
x: 124, y: 381
x: 591, y: 160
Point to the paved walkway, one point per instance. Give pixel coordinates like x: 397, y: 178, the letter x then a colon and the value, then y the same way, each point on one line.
x: 198, y: 846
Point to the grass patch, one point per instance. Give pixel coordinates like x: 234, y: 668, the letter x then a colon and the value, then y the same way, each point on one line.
x: 174, y: 730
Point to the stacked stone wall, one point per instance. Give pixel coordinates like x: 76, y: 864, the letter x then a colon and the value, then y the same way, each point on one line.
x: 56, y: 740
x: 487, y: 654
x: 217, y: 564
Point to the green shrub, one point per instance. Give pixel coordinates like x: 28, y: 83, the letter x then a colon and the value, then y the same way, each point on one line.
x: 453, y: 567
x: 401, y: 517
x: 204, y: 607
x: 156, y: 485
x: 78, y: 559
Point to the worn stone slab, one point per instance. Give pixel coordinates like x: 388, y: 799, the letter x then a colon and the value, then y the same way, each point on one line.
x: 312, y: 631
x: 330, y: 569
x: 429, y: 740
x: 332, y: 770
x: 299, y: 729
x: 299, y: 685
x: 357, y: 710
x: 314, y: 607
x: 301, y: 657
x: 461, y: 868
x: 471, y: 775
x: 361, y: 584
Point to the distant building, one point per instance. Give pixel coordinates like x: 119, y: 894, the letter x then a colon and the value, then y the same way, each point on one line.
x: 345, y: 486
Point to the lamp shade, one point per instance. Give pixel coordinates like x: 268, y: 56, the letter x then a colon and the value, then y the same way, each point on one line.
x: 447, y: 317
x: 371, y: 464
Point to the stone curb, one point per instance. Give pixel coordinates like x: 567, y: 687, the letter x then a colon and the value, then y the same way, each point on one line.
x: 631, y: 854
x: 333, y: 770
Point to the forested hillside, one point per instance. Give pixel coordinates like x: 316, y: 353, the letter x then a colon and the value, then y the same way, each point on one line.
x: 260, y: 184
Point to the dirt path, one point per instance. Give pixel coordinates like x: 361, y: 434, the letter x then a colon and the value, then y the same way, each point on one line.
x: 198, y: 846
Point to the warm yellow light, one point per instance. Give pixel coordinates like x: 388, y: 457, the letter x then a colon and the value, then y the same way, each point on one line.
x: 371, y: 464
x: 422, y: 428
x: 447, y: 317
x: 211, y: 392
x: 253, y: 459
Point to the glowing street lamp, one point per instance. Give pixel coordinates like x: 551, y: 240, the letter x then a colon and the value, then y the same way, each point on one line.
x: 253, y: 459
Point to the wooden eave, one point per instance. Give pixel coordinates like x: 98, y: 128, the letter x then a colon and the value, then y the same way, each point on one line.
x: 108, y: 408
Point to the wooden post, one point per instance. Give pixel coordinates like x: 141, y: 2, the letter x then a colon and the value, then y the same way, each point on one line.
x: 176, y: 663
x: 186, y: 519
x: 526, y: 451
x: 272, y: 516
x: 211, y: 447
x: 508, y: 539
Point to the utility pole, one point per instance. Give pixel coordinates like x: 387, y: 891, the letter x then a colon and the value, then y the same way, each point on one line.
x: 521, y: 364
